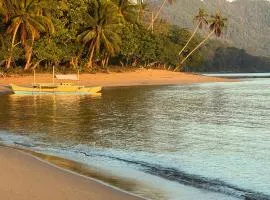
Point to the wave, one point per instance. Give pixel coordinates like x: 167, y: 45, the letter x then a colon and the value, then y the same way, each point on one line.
x: 182, y: 177
x: 174, y: 174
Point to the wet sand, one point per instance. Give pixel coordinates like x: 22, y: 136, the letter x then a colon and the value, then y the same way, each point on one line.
x: 24, y: 177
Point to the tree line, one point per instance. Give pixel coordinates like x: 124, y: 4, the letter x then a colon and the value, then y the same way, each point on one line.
x: 234, y: 60
x: 92, y: 34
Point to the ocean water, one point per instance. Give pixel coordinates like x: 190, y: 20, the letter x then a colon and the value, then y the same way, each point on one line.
x: 200, y: 141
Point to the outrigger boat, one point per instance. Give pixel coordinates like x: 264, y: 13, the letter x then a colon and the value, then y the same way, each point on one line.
x: 55, y: 88
x: 62, y: 88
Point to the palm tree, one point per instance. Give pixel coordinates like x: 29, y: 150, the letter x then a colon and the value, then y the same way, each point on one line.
x: 102, y: 30
x: 26, y: 21
x: 141, y: 11
x: 201, y: 21
x: 217, y: 23
x: 127, y: 10
x: 154, y: 17
x: 4, y: 10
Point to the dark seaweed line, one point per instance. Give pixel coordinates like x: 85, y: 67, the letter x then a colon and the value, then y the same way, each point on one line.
x: 173, y: 174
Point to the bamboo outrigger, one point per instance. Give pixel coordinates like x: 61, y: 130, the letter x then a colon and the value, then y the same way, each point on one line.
x: 55, y: 88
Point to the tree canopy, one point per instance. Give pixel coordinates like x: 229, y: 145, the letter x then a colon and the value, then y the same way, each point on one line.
x: 90, y: 35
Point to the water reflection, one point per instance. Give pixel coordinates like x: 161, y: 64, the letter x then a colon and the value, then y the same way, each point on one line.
x: 219, y: 131
x: 102, y: 121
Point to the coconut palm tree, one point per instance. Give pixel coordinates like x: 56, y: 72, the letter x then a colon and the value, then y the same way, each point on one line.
x: 102, y: 31
x: 217, y: 23
x: 141, y: 11
x: 4, y: 10
x: 201, y: 21
x: 25, y: 22
x: 128, y: 10
x: 154, y: 18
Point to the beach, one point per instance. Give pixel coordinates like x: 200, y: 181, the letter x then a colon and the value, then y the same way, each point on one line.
x: 25, y: 177
x: 138, y: 77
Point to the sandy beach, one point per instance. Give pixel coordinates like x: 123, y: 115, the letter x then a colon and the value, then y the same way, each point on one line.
x: 139, y: 77
x: 24, y: 177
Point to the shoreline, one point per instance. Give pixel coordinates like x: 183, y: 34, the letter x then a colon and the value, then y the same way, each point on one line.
x: 18, y: 165
x: 102, y: 189
x: 28, y: 176
x: 136, y: 78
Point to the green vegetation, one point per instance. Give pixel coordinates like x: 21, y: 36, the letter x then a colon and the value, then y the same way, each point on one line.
x: 201, y: 19
x: 156, y: 15
x: 91, y: 34
x: 102, y: 30
x: 235, y: 60
x: 248, y: 25
x: 217, y: 23
x: 26, y: 22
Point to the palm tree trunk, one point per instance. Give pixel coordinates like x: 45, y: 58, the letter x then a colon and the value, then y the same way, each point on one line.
x: 29, y: 51
x: 92, y: 50
x: 157, y: 14
x: 193, y: 34
x: 103, y: 61
x: 139, y: 13
x: 90, y: 62
x: 107, y: 61
x: 8, y: 63
x: 28, y: 57
x: 195, y: 49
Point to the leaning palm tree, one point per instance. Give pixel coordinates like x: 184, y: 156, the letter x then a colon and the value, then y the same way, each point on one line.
x: 201, y: 21
x: 141, y: 11
x: 26, y: 22
x: 217, y: 23
x: 102, y: 30
x: 154, y: 18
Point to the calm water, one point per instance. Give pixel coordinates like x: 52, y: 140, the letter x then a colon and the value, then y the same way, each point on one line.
x: 239, y: 75
x: 202, y: 141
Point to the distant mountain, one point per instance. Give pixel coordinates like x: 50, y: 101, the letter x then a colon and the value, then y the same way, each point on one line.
x: 248, y: 20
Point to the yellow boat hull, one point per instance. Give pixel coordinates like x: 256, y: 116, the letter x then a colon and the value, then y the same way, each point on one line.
x: 55, y: 89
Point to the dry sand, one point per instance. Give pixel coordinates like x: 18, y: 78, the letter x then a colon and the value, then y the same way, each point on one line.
x: 139, y: 77
x: 24, y: 177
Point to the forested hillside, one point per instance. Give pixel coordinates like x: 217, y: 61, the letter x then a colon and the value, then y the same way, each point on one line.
x: 236, y: 60
x: 248, y: 25
x: 89, y: 35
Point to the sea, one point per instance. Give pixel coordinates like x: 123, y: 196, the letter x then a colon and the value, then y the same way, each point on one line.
x: 207, y: 141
